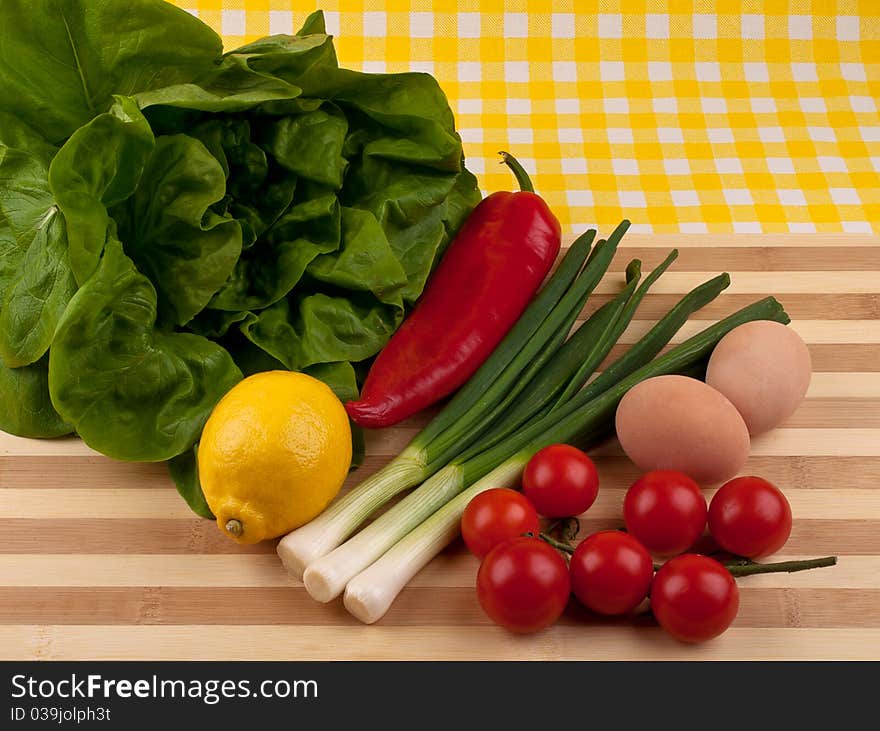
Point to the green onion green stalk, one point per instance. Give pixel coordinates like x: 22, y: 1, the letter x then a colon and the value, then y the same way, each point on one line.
x: 536, y: 334
x: 326, y: 577
x: 581, y: 421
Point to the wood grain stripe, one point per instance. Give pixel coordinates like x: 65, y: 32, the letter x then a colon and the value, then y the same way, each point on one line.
x: 863, y: 442
x: 813, y: 306
x: 451, y: 569
x: 761, y: 258
x: 761, y: 283
x: 415, y: 606
x: 812, y: 331
x: 85, y: 504
x: 36, y: 473
x: 225, y: 642
x: 166, y: 536
x: 826, y: 357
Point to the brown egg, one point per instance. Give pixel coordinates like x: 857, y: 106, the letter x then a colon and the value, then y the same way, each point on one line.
x: 680, y: 423
x: 764, y: 368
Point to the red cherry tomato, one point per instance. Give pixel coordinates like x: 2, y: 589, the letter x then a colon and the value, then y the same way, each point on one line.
x: 496, y: 516
x: 750, y: 517
x: 666, y: 511
x: 523, y: 585
x: 694, y: 598
x: 560, y: 480
x: 611, y: 572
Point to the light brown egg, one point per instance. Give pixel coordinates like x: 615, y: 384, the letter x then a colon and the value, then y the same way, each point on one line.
x: 680, y: 423
x: 763, y: 367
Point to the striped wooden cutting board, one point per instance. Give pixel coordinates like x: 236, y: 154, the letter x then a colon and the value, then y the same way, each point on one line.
x: 102, y: 560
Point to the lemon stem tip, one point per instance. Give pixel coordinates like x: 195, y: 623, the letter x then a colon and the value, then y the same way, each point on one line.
x: 234, y: 526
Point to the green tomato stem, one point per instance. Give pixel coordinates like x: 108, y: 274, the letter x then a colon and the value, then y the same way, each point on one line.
x: 747, y: 567
x: 560, y: 545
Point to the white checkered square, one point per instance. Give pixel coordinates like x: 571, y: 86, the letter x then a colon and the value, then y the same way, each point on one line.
x: 738, y: 197
x: 562, y: 25
x: 421, y: 25
x: 677, y: 166
x: 331, y: 22
x: 620, y: 135
x: 280, y: 21
x: 610, y: 26
x: 565, y: 71
x: 800, y: 27
x: 470, y: 106
x: 821, y: 134
x: 665, y: 104
x: 656, y: 26
x: 574, y: 166
x: 670, y: 135
x: 728, y: 165
x: 705, y: 26
x: 753, y: 27
x: 632, y: 199
x: 848, y: 28
x: 618, y: 105
x: 233, y: 22
x: 685, y: 198
x: 516, y: 70
x: 813, y: 104
x: 469, y: 25
x: 568, y: 106
x: 844, y: 196
x: 853, y: 71
x: 804, y: 72
x: 756, y: 71
x: 659, y: 71
x: 780, y: 165
x: 763, y: 104
x: 863, y: 104
x: 375, y: 24
x: 791, y: 197
x: 693, y: 227
x: 714, y: 105
x: 623, y: 166
x: 579, y: 197
x: 771, y: 134
x: 516, y: 25
x: 708, y: 71
x: 829, y: 164
x: 611, y: 70
x: 470, y: 71
x: 720, y: 135
x: 518, y: 136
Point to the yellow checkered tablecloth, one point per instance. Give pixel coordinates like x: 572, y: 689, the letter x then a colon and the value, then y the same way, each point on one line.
x: 733, y: 115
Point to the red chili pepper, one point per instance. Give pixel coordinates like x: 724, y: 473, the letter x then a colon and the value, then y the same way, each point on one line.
x: 486, y: 278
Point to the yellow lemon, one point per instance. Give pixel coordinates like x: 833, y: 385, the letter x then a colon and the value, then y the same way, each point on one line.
x: 275, y: 450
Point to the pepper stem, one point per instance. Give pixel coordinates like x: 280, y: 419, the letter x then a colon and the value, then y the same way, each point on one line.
x: 522, y: 177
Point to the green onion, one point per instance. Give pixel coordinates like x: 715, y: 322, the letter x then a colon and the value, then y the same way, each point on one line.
x: 326, y: 577
x: 369, y: 594
x: 498, y: 374
x: 449, y: 443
